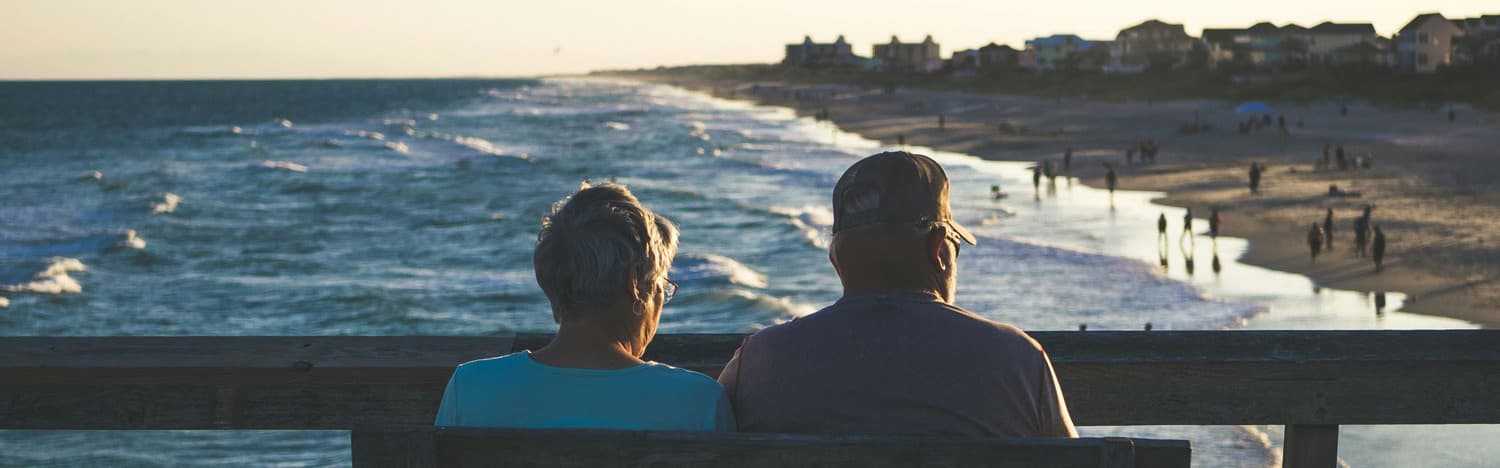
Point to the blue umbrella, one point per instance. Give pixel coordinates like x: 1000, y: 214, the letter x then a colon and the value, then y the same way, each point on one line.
x: 1253, y: 107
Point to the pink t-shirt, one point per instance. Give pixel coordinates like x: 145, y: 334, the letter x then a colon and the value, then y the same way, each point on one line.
x: 896, y: 363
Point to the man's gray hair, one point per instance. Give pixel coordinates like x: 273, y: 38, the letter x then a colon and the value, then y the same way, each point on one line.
x: 597, y: 244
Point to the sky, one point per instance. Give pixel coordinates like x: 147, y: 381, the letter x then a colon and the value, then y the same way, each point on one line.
x: 211, y: 39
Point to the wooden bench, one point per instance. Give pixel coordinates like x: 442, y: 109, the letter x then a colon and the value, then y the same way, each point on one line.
x: 1310, y: 381
x: 424, y: 447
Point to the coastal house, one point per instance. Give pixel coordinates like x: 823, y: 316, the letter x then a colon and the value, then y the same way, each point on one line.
x: 1151, y: 44
x: 992, y: 57
x: 812, y: 54
x: 1052, y: 52
x: 1225, y: 46
x: 1331, y: 43
x: 1481, y: 40
x: 1426, y: 43
x: 922, y: 57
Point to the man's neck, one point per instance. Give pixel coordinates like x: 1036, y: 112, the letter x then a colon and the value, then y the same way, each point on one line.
x: 917, y: 290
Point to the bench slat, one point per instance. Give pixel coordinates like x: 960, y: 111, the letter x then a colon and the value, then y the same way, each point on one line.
x: 450, y: 447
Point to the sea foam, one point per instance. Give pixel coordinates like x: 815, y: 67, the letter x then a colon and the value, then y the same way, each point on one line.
x: 283, y: 166
x: 53, y: 279
x: 167, y: 204
x: 716, y: 268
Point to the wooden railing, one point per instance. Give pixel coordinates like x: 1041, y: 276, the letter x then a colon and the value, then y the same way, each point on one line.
x: 1312, y: 382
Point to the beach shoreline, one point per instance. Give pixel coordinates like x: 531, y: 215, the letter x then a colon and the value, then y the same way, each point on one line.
x: 1427, y: 181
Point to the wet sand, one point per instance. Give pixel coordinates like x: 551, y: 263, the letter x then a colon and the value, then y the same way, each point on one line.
x: 1432, y: 182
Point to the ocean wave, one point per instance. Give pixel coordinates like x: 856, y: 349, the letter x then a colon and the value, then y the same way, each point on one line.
x: 284, y: 123
x: 282, y: 166
x: 711, y: 310
x: 53, y: 279
x: 398, y: 147
x: 4, y: 302
x: 814, y: 221
x: 365, y: 134
x: 166, y: 204
x: 477, y: 144
x: 710, y: 268
x: 91, y: 176
x: 131, y: 241
x: 617, y: 126
x: 399, y: 122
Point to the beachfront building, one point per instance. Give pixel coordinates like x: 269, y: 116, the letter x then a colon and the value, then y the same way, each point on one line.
x: 1226, y: 46
x: 1481, y: 40
x: 990, y: 58
x: 1426, y: 43
x: 1266, y: 45
x: 1151, y: 44
x: 812, y: 54
x: 921, y: 57
x: 1052, y: 52
x: 1331, y: 43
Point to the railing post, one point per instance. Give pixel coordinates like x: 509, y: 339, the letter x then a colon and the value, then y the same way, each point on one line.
x: 1311, y: 446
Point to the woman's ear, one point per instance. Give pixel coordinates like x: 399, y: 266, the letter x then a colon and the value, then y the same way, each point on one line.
x: 638, y: 298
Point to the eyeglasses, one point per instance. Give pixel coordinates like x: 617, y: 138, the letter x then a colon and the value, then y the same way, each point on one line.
x: 668, y: 290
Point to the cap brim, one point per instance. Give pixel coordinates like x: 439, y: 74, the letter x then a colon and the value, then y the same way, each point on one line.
x: 963, y: 233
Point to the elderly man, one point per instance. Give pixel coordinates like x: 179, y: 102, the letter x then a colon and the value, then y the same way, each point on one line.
x: 894, y: 355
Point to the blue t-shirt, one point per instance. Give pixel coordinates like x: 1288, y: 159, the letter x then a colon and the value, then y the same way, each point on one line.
x: 515, y: 391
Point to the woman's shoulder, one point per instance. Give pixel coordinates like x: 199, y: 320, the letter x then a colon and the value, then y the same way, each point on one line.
x: 681, y: 378
x: 493, y: 364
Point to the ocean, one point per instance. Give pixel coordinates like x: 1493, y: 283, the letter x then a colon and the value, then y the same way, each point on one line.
x: 410, y: 207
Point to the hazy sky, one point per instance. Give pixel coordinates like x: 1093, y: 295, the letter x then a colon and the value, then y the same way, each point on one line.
x: 377, y: 38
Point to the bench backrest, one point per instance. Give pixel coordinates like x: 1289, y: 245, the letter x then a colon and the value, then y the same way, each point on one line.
x: 456, y: 447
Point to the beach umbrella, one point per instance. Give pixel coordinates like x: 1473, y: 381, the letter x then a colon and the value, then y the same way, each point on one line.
x: 1253, y: 107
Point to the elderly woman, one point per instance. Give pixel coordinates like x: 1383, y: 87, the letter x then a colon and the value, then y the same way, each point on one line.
x: 602, y: 260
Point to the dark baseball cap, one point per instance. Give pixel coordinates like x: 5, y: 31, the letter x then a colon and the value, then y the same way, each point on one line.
x: 894, y: 187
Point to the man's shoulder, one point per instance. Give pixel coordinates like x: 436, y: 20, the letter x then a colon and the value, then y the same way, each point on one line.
x: 957, y: 323
x: 992, y: 331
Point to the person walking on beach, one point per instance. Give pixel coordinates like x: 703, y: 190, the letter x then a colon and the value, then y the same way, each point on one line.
x: 601, y: 259
x: 1187, y: 222
x: 1377, y: 248
x: 1110, y: 179
x: 1326, y: 155
x: 1213, y: 224
x: 894, y: 356
x: 1161, y: 232
x: 1328, y: 230
x: 1343, y: 161
x: 1255, y: 171
x: 1068, y: 160
x: 1050, y: 169
x: 1362, y: 232
x: 1315, y: 241
x: 1036, y: 177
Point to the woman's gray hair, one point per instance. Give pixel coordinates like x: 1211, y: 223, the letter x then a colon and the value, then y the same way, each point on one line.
x: 596, y: 245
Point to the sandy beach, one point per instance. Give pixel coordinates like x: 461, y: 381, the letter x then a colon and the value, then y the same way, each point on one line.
x: 1431, y: 181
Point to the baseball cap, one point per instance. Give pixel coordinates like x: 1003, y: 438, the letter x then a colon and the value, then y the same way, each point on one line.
x: 892, y: 187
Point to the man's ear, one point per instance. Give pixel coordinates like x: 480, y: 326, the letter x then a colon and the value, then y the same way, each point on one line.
x: 936, y: 248
x: 832, y: 258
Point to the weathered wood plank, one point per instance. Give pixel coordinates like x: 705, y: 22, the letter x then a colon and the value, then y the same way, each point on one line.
x: 589, y: 448
x: 1110, y: 378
